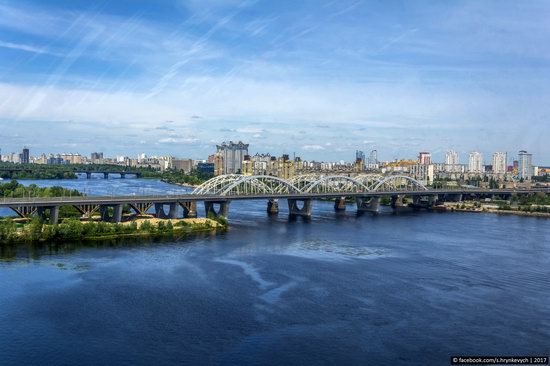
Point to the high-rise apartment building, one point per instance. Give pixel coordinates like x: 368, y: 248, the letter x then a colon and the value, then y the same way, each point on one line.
x: 232, y: 155
x: 499, y: 163
x: 424, y: 158
x: 525, y: 165
x: 475, y: 162
x: 96, y: 157
x: 24, y: 158
x: 452, y: 163
x: 373, y: 160
x: 359, y: 160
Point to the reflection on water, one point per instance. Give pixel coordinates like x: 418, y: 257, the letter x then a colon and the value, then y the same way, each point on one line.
x: 404, y: 289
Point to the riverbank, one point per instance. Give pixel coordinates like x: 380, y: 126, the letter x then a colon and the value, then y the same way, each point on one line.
x: 187, y: 185
x: 497, y: 211
x: 12, y: 232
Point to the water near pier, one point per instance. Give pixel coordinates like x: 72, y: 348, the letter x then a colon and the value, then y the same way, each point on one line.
x: 408, y: 289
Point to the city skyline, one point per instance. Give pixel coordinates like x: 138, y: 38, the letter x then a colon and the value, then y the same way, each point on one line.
x: 313, y: 79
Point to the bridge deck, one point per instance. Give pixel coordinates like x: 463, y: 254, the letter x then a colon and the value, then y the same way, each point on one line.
x: 100, y: 200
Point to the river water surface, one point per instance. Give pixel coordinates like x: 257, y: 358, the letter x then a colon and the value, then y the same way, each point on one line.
x: 406, y: 289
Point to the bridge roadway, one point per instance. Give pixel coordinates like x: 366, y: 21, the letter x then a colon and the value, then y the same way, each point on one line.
x: 110, y: 207
x: 88, y: 173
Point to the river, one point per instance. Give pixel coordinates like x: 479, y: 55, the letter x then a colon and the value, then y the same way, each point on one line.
x: 406, y: 289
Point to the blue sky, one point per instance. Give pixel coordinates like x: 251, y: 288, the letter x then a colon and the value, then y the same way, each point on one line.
x: 320, y: 79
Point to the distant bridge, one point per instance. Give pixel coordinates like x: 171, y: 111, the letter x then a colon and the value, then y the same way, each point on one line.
x: 88, y: 173
x: 218, y: 192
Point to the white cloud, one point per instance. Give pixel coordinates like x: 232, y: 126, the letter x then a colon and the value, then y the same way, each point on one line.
x: 313, y: 147
x: 178, y: 140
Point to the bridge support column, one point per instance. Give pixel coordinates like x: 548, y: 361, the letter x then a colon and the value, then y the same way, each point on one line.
x: 210, y: 209
x: 88, y: 175
x: 365, y: 205
x: 294, y: 210
x: 189, y: 209
x: 54, y: 214
x: 273, y: 206
x: 397, y: 201
x: 122, y: 175
x: 117, y: 213
x: 340, y: 204
x: 172, y: 213
x: 105, y: 175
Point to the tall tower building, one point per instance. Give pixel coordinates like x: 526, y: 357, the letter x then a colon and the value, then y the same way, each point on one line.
x: 373, y: 160
x: 25, y: 156
x: 499, y: 162
x: 451, y: 161
x: 424, y: 158
x: 525, y: 165
x: 475, y: 162
x: 232, y: 155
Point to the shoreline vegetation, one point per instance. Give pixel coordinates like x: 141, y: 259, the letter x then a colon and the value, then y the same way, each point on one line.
x: 71, y: 226
x: 36, y: 231
x: 67, y: 171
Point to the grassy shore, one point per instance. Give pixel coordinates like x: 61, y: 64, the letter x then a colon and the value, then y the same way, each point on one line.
x: 75, y: 230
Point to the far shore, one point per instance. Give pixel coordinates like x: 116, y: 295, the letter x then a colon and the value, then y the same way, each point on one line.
x: 188, y: 185
x: 500, y: 212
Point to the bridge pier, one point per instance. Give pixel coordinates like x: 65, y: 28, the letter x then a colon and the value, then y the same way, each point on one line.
x: 294, y: 210
x: 54, y: 214
x: 122, y: 175
x: 340, y: 204
x: 172, y: 213
x: 105, y: 175
x: 209, y: 208
x: 372, y: 205
x: 88, y: 175
x: 189, y: 209
x: 273, y: 206
x: 397, y: 201
x: 117, y: 213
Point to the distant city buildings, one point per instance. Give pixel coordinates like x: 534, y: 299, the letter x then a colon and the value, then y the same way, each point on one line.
x: 525, y: 165
x: 424, y: 173
x: 373, y: 160
x: 24, y: 158
x: 499, y: 163
x: 424, y: 158
x: 230, y: 157
x: 452, y: 162
x: 96, y: 157
x: 475, y: 162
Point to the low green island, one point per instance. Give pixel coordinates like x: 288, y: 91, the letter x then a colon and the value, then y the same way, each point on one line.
x: 72, y: 228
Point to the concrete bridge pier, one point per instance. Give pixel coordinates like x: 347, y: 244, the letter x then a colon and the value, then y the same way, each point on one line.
x: 295, y: 210
x: 210, y: 208
x: 273, y: 206
x: 54, y: 214
x: 340, y: 204
x: 424, y: 201
x: 397, y: 201
x: 117, y: 213
x: 366, y: 205
x: 172, y: 212
x: 88, y: 175
x: 189, y: 209
x: 105, y: 175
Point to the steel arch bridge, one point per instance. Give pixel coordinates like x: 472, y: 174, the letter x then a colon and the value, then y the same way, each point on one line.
x: 241, y: 185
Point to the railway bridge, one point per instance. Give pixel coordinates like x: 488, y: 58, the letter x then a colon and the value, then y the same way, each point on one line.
x: 217, y: 193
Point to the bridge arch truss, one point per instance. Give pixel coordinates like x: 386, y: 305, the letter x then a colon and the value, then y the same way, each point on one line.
x: 241, y: 185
